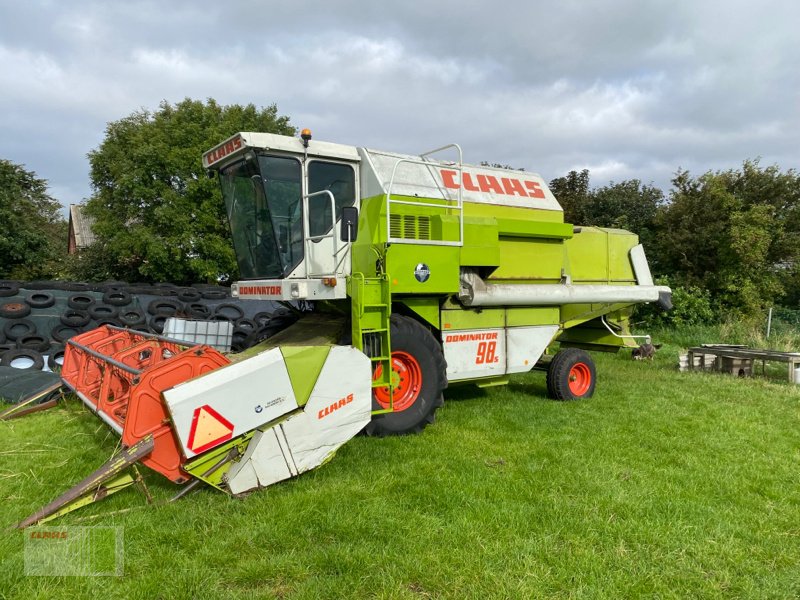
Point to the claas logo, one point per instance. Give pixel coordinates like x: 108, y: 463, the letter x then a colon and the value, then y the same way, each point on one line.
x: 328, y: 410
x: 507, y: 186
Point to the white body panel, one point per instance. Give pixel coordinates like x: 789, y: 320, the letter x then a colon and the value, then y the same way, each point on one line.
x: 474, y: 353
x: 289, y: 289
x: 246, y: 394
x: 640, y: 267
x: 471, y: 354
x: 525, y: 345
x: 483, y: 185
x: 239, y: 144
x: 339, y: 407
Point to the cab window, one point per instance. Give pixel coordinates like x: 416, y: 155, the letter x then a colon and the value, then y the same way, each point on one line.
x: 336, y: 178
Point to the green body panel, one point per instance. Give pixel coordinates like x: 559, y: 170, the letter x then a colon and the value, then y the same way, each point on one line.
x: 426, y: 307
x: 539, y: 315
x: 455, y: 318
x: 534, y: 229
x: 489, y: 318
x: 480, y: 247
x: 529, y: 260
x: 304, y: 364
x: 201, y: 466
x: 512, y: 212
x: 314, y: 329
x: 598, y: 255
x: 401, y: 262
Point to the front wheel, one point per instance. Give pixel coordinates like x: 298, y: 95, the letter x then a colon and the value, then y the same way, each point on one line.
x: 418, y: 377
x: 571, y: 375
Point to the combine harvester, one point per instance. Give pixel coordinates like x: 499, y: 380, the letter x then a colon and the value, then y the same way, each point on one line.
x: 420, y: 272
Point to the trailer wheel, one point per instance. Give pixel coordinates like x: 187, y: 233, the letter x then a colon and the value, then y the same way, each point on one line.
x: 571, y: 375
x: 419, y: 373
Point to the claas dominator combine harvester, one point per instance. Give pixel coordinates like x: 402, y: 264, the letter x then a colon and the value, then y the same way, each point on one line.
x: 418, y: 273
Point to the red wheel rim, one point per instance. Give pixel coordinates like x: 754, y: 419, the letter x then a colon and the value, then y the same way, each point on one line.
x: 407, y: 381
x: 580, y: 378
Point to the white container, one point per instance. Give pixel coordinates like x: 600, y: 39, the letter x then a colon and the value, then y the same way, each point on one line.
x: 797, y: 375
x: 217, y: 334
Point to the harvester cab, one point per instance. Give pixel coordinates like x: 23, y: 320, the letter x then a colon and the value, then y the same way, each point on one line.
x: 422, y: 273
x: 283, y: 198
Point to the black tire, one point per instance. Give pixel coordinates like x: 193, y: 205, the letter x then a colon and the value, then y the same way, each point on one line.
x: 245, y: 324
x: 571, y: 375
x: 55, y: 355
x: 164, y: 306
x: 2, y: 337
x: 165, y: 291
x: 157, y: 323
x: 40, y: 300
x: 38, y: 285
x: 232, y: 311
x: 33, y: 341
x: 8, y: 289
x: 414, y: 350
x: 73, y: 317
x: 198, y: 310
x: 132, y: 317
x: 106, y: 321
x: 102, y: 312
x: 14, y: 310
x: 61, y: 333
x: 17, y: 328
x: 189, y: 295
x: 109, y: 285
x: 80, y: 301
x: 75, y: 286
x: 11, y: 355
x: 117, y: 297
x: 240, y: 340
x: 215, y: 294
x: 262, y: 319
x: 141, y: 288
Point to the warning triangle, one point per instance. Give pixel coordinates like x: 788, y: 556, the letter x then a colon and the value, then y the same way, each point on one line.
x: 209, y: 429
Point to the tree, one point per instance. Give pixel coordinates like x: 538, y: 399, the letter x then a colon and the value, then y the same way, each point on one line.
x: 572, y: 192
x: 157, y: 216
x: 625, y: 205
x: 33, y: 233
x: 734, y: 233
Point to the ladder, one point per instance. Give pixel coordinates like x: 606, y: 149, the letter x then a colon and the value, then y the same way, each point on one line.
x: 371, y: 311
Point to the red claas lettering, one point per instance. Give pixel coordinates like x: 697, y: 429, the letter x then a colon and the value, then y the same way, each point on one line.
x: 505, y: 186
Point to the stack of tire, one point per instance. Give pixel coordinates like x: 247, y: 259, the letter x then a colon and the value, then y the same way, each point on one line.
x: 37, y: 318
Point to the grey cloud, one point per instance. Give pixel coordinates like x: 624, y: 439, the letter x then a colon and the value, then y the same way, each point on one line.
x: 625, y: 88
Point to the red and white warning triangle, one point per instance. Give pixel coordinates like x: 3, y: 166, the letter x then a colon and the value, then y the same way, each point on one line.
x: 209, y: 429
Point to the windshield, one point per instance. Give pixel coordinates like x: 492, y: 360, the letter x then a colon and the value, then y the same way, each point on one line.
x: 265, y: 215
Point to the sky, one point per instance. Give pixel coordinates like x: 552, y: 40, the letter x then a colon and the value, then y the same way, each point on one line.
x: 625, y: 88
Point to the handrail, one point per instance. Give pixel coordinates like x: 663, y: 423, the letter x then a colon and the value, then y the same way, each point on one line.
x: 459, y: 202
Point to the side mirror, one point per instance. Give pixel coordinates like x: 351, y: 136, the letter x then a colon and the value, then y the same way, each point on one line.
x: 349, y: 231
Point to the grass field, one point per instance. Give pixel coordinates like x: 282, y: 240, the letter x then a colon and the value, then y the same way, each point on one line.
x: 664, y: 485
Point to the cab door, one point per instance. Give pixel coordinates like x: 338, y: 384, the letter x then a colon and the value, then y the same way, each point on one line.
x: 330, y: 186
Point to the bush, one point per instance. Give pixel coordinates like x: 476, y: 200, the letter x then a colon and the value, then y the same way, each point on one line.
x: 691, y: 305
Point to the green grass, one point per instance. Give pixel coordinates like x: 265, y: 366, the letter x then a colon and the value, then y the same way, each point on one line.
x: 664, y: 484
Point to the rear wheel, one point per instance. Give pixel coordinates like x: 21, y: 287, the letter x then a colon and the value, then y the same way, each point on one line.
x: 571, y: 375
x: 418, y: 376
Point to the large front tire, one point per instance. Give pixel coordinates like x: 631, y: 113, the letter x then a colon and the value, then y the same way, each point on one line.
x: 571, y: 375
x: 419, y: 375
